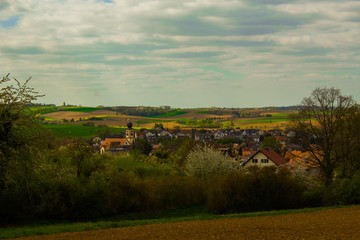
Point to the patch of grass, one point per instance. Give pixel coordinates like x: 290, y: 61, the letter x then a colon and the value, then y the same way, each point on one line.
x: 169, y: 114
x: 42, y: 109
x: 283, y: 114
x: 49, y: 119
x: 48, y: 111
x: 74, y: 130
x: 178, y: 215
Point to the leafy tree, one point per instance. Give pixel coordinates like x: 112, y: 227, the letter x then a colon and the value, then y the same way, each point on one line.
x: 142, y: 145
x: 318, y: 124
x: 270, y: 142
x: 348, y: 146
x: 18, y: 127
x: 182, y: 152
x: 81, y: 154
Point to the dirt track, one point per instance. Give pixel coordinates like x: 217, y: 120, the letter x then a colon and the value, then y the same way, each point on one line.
x: 330, y: 224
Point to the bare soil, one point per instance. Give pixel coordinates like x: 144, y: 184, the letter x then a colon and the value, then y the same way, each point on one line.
x: 76, y: 115
x: 343, y: 223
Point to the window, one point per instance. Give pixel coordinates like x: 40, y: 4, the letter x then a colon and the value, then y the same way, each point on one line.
x: 264, y: 160
x: 255, y: 161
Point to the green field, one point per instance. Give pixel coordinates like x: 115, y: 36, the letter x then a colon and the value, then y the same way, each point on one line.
x: 283, y: 114
x: 80, y: 109
x: 170, y: 114
x: 51, y: 109
x: 74, y: 130
x: 42, y: 109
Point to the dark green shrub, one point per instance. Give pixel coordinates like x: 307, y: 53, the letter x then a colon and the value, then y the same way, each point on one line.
x: 346, y: 191
x: 127, y: 194
x: 314, y: 197
x: 255, y: 190
x: 176, y: 191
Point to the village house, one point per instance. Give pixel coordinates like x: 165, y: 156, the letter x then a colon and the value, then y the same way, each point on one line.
x: 206, y: 137
x: 165, y: 135
x: 253, y: 138
x: 181, y: 135
x: 114, y: 145
x: 117, y: 145
x: 150, y: 137
x: 303, y: 160
x: 265, y: 157
x: 238, y: 134
x: 251, y: 131
x: 246, y: 153
x: 219, y: 134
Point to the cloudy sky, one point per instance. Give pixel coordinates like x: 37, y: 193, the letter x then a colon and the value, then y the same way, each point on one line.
x: 191, y: 53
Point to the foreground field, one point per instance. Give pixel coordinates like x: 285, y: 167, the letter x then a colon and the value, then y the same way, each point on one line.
x: 342, y: 223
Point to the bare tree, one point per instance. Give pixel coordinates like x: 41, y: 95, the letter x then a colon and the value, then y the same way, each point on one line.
x: 318, y: 125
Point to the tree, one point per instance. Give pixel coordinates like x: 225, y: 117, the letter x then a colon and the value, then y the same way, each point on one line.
x: 348, y: 146
x: 18, y: 127
x: 81, y: 156
x: 270, y: 142
x: 142, y: 145
x: 204, y: 162
x: 318, y: 124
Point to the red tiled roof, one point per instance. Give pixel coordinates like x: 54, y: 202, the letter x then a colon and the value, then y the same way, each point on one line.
x: 273, y: 156
x: 303, y: 158
x: 107, y: 142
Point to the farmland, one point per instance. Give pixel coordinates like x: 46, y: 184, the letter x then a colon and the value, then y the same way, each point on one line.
x: 339, y: 223
x: 182, y: 117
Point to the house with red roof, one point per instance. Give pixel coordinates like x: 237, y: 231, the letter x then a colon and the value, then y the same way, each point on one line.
x: 114, y: 145
x: 265, y: 157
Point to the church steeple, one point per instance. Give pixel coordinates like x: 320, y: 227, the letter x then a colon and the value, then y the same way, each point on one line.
x: 130, y: 133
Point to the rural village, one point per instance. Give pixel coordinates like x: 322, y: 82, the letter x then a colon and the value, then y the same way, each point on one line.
x: 248, y: 150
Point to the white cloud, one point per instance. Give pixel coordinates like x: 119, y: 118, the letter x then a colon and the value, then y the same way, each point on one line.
x: 341, y: 10
x: 159, y: 46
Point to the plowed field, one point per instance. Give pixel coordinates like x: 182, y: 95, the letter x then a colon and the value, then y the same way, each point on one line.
x: 341, y: 223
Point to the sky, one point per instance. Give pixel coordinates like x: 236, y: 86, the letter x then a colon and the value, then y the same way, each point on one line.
x: 198, y: 53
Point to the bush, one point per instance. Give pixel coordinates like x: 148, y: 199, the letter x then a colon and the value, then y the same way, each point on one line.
x: 345, y: 191
x: 128, y: 195
x: 314, y: 197
x: 258, y: 189
x: 176, y: 191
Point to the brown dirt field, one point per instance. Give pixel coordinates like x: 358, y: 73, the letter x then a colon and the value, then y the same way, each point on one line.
x: 343, y: 223
x: 122, y: 122
x: 76, y: 115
